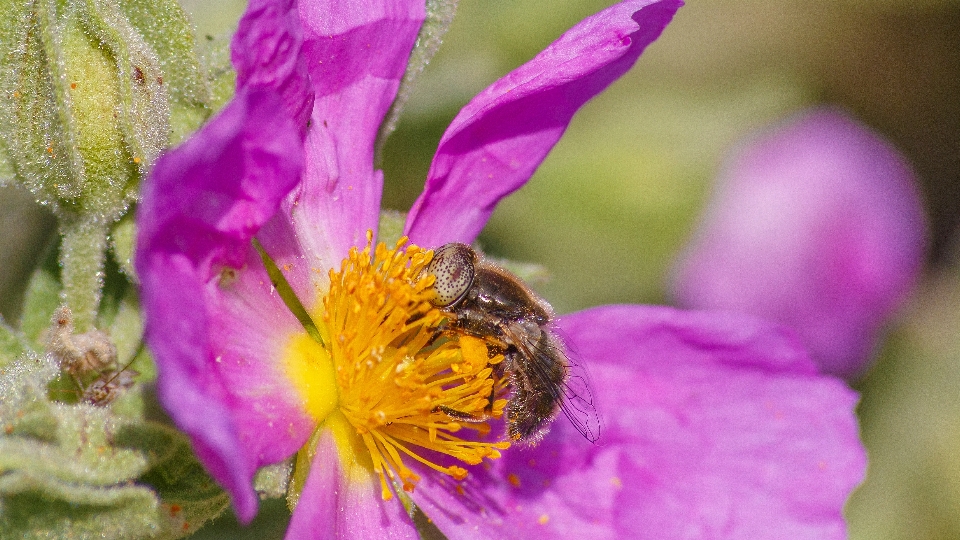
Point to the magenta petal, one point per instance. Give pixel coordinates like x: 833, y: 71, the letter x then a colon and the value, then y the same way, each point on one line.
x: 207, y: 198
x: 499, y: 139
x: 343, y: 501
x: 716, y: 426
x: 211, y: 320
x: 265, y: 51
x: 726, y: 423
x: 816, y: 225
x: 357, y: 53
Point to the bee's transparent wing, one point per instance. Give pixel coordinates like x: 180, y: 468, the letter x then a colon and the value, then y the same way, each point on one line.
x: 578, y: 402
x: 574, y: 394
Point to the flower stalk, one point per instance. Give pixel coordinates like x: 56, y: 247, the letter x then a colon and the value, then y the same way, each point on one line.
x: 82, y: 253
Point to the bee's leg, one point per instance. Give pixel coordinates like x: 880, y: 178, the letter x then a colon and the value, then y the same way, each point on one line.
x: 516, y: 411
x: 501, y: 380
x: 460, y: 415
x: 477, y: 323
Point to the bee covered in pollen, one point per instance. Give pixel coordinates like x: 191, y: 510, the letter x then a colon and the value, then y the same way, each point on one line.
x: 487, y: 301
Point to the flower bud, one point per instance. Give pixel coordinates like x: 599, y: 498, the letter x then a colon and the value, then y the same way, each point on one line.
x: 86, y: 111
x: 90, y: 90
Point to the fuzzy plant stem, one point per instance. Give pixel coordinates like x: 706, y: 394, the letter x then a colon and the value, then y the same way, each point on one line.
x: 82, y: 251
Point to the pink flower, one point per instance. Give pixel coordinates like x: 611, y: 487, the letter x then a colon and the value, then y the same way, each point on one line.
x: 716, y: 425
x: 815, y: 224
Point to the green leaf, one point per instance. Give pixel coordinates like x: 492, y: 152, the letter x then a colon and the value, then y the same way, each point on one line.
x: 41, y: 300
x: 24, y: 409
x: 69, y: 443
x: 60, y: 477
x: 84, y: 471
x: 43, y: 508
x: 190, y: 497
x: 12, y: 344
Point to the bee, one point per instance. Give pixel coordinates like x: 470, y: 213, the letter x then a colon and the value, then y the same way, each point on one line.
x: 487, y: 301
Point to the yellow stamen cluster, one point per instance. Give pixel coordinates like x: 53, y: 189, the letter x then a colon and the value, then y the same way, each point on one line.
x: 402, y: 383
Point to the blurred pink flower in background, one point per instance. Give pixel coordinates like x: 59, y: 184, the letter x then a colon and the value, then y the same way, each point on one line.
x: 815, y: 224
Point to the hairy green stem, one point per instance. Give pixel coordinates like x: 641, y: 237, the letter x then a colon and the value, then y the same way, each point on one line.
x: 82, y: 252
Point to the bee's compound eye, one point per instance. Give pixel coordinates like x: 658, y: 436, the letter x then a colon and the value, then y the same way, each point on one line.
x: 452, y: 266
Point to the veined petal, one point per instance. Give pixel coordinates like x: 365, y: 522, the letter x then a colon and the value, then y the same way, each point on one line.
x: 499, y: 139
x: 357, y: 52
x: 816, y: 224
x: 341, y: 498
x: 266, y: 53
x: 735, y: 430
x: 716, y: 426
x: 212, y: 321
x: 206, y: 198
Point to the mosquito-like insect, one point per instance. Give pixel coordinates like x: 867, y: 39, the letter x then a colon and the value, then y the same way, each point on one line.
x: 488, y: 301
x: 89, y: 361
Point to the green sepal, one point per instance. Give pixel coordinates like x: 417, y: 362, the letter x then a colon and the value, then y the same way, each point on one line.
x: 126, y: 329
x: 287, y: 294
x: 144, y: 111
x: 390, y: 228
x: 122, y: 238
x: 440, y: 15
x: 80, y: 79
x: 120, y: 317
x: 273, y: 481
x: 165, y: 27
x: 38, y: 136
x: 425, y: 527
x: 6, y: 169
x: 302, y: 462
x: 214, y: 54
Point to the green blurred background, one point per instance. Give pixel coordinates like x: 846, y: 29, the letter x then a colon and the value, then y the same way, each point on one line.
x: 614, y: 202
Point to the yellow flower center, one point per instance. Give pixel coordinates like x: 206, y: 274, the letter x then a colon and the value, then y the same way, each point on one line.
x: 389, y: 369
